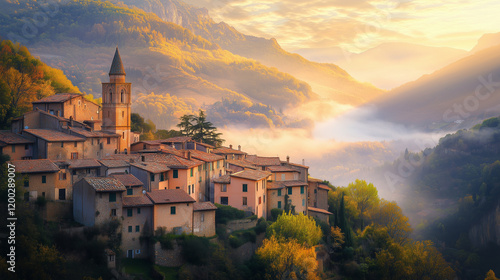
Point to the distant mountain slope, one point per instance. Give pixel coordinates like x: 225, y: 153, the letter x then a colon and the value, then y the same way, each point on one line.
x: 159, y: 57
x: 390, y: 64
x: 328, y: 80
x: 458, y: 95
x: 486, y: 41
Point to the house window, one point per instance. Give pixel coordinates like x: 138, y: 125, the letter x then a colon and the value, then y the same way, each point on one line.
x: 74, y: 171
x: 138, y: 210
x: 108, y: 140
x: 245, y: 201
x: 260, y: 200
x: 315, y: 191
x: 76, y: 144
x: 26, y: 181
x: 92, y: 141
x: 282, y: 177
x: 51, y: 112
x: 245, y: 188
x: 129, y: 212
x: 223, y: 188
x: 152, y: 177
x: 112, y: 197
x: 123, y: 114
x: 289, y: 190
x: 189, y: 189
x: 301, y: 189
x: 62, y: 144
x: 218, y: 164
x: 279, y: 204
x: 172, y: 210
x: 279, y: 192
x: 130, y: 191
x: 176, y: 173
x: 123, y: 135
x: 191, y: 170
x: 202, y: 217
x: 43, y: 194
x: 162, y: 177
x: 303, y: 202
x: 137, y: 228
x: 74, y: 155
x: 13, y: 148
x: 113, y: 212
x: 44, y: 179
x: 223, y: 200
x: 26, y: 147
x: 62, y: 194
x: 129, y: 228
x: 192, y: 188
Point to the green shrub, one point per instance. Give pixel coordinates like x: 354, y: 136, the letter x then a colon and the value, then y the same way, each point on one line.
x: 195, y: 249
x: 235, y: 242
x: 253, y: 217
x: 275, y: 212
x: 225, y: 213
x: 261, y: 226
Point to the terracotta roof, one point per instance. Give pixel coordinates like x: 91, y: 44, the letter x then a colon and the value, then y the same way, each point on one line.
x: 8, y: 137
x: 172, y: 160
x: 177, y: 139
x: 263, y: 161
x: 102, y: 184
x: 293, y: 183
x: 128, y: 180
x: 35, y: 166
x: 204, y: 206
x: 279, y: 168
x: 126, y: 157
x: 82, y: 163
x: 136, y: 200
x: 324, y: 187
x: 204, y: 156
x: 319, y: 210
x: 226, y: 150
x: 112, y: 163
x: 224, y: 179
x: 117, y: 65
x: 57, y: 98
x: 53, y: 135
x: 294, y: 164
x: 241, y: 163
x: 254, y: 175
x: 153, y: 167
x: 311, y: 179
x: 169, y: 196
x: 93, y: 134
x: 274, y: 185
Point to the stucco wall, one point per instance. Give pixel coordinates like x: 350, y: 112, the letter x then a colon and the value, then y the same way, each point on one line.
x: 20, y: 151
x: 56, y: 152
x: 131, y: 240
x: 205, y: 227
x: 183, y: 216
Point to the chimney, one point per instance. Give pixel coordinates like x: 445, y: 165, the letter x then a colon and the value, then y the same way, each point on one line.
x: 71, y: 120
x: 287, y: 159
x: 189, y: 155
x: 230, y: 146
x: 303, y: 162
x: 239, y: 147
x: 185, y: 153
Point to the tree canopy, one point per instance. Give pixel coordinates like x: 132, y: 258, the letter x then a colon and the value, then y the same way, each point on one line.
x: 300, y: 228
x: 200, y: 129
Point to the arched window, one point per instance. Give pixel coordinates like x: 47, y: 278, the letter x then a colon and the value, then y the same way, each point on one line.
x: 110, y: 96
x: 123, y: 96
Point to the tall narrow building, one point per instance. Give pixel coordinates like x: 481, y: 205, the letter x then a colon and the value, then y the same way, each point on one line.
x: 116, y: 101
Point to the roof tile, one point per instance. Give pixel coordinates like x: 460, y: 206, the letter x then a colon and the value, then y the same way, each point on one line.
x: 35, y: 166
x: 253, y: 175
x: 169, y: 196
x: 128, y: 180
x: 13, y: 138
x: 53, y: 135
x: 105, y: 184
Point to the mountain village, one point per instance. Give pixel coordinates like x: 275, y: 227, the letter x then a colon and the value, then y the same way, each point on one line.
x: 86, y: 163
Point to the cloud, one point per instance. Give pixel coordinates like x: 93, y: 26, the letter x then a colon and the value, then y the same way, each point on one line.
x: 357, y: 25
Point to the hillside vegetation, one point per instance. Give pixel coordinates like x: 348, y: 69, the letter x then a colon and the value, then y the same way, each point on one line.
x: 159, y: 57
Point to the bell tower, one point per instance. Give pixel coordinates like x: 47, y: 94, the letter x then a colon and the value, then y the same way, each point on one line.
x: 116, y: 101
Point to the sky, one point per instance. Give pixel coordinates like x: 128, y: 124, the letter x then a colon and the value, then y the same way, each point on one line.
x: 356, y: 25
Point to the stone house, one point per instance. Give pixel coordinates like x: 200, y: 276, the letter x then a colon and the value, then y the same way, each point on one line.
x: 153, y: 175
x: 229, y: 153
x: 204, y: 218
x: 39, y: 178
x: 173, y: 210
x: 16, y: 146
x: 245, y: 190
x: 69, y: 105
x: 137, y: 221
x: 111, y: 166
x: 97, y: 200
x: 55, y: 145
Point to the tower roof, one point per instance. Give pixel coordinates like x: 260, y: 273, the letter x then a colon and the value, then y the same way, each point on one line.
x: 117, y: 65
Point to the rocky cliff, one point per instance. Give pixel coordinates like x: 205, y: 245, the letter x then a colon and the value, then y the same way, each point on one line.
x: 487, y: 230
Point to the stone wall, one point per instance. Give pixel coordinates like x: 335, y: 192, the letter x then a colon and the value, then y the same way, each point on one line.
x: 168, y: 258
x: 242, y: 224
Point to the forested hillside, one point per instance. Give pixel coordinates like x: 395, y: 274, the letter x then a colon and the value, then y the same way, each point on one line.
x: 23, y: 79
x: 452, y: 195
x: 159, y: 57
